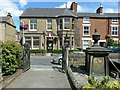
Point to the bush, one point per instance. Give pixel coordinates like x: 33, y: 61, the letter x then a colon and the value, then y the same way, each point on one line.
x: 11, y: 53
x: 102, y: 84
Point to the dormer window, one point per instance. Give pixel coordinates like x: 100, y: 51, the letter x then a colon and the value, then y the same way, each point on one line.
x: 86, y: 20
x: 114, y: 20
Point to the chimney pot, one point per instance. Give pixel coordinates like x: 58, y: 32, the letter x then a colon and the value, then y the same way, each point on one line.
x: 100, y: 9
x: 73, y: 6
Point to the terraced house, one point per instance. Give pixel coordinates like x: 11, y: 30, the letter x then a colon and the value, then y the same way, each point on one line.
x: 51, y: 28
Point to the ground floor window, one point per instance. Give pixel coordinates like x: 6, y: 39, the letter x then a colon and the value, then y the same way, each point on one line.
x: 86, y: 44
x: 33, y: 41
x: 28, y: 40
x: 36, y: 43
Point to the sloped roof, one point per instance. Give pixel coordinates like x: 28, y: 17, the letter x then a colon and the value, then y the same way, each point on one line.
x: 104, y: 15
x: 59, y: 12
x: 47, y: 12
x: 3, y: 19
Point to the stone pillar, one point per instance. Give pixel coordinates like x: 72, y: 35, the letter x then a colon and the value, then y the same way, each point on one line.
x: 65, y: 59
x: 58, y: 43
x: 32, y: 42
x: 67, y: 54
x: 62, y: 40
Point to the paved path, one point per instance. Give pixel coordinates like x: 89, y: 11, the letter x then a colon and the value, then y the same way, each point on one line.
x: 42, y: 76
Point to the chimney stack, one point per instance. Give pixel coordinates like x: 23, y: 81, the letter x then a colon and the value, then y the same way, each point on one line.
x: 9, y: 15
x: 100, y: 9
x: 73, y: 7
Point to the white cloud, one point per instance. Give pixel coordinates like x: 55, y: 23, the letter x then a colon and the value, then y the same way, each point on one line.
x: 68, y: 4
x: 23, y: 3
x: 8, y: 6
x: 110, y: 10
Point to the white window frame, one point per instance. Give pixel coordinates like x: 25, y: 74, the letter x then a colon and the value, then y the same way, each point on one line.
x: 49, y: 24
x: 88, y: 29
x: 114, y: 31
x: 115, y: 20
x: 35, y: 40
x: 60, y: 24
x: 33, y: 25
x: 86, y: 20
x: 65, y: 22
x: 83, y: 39
x: 88, y: 44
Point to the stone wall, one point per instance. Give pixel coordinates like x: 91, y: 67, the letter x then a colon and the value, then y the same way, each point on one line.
x: 76, y: 59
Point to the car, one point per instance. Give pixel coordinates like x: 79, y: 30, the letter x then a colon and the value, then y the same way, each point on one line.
x: 58, y: 59
x: 114, y: 49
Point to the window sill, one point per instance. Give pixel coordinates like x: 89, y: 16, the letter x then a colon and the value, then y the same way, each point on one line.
x: 86, y: 35
x: 114, y: 35
x: 49, y: 30
x: 32, y: 29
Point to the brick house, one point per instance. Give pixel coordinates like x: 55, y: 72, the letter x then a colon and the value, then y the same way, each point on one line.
x: 105, y: 23
x: 7, y: 28
x: 66, y: 26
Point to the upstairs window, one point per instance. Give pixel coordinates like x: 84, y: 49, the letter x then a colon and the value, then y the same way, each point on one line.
x: 66, y: 23
x: 60, y: 23
x: 49, y: 24
x: 33, y: 24
x: 86, y: 30
x: 114, y: 30
x: 115, y: 20
x: 86, y: 20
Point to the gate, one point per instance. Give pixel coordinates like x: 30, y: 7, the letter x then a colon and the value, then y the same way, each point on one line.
x: 26, y: 57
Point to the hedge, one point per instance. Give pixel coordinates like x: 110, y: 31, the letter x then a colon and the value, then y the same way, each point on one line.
x: 54, y: 51
x: 11, y: 57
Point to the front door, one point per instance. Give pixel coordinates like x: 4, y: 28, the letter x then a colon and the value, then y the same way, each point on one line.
x: 49, y: 44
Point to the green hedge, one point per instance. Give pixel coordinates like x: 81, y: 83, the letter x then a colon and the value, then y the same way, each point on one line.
x: 43, y: 51
x: 57, y: 51
x: 37, y: 51
x: 11, y: 57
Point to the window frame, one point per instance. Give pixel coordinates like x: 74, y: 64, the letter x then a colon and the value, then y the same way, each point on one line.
x: 88, y: 30
x: 66, y: 23
x: 86, y: 19
x: 36, y: 39
x: 33, y: 23
x: 60, y: 24
x: 115, y: 20
x: 84, y: 47
x: 49, y: 24
x: 114, y: 30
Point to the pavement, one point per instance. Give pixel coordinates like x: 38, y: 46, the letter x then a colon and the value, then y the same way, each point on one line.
x: 42, y: 75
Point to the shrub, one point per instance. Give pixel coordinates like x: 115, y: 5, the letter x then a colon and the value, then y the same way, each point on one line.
x: 11, y: 53
x: 102, y: 84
